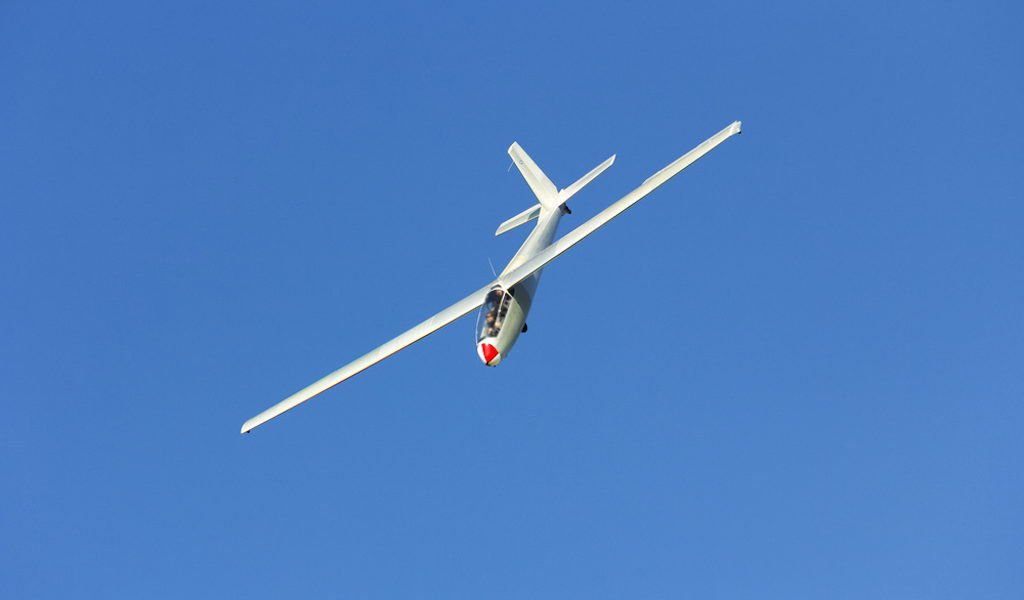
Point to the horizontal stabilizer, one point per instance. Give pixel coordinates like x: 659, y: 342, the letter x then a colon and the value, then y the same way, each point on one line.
x: 521, y: 219
x: 569, y: 192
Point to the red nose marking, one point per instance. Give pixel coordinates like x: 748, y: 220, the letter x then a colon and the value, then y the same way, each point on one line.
x: 489, y: 352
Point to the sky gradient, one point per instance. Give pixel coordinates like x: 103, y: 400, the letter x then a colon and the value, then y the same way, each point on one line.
x: 794, y: 371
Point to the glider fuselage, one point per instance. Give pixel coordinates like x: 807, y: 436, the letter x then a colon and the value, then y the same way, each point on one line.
x: 503, y: 314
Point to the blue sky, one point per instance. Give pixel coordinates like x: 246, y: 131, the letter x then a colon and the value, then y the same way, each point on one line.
x: 794, y: 371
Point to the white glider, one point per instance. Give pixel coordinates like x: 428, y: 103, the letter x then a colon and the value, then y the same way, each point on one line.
x: 506, y: 301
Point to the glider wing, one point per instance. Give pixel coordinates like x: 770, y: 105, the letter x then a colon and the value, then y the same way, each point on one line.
x: 652, y: 183
x: 446, y: 316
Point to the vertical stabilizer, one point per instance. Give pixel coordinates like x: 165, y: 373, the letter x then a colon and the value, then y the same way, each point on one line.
x: 548, y: 195
x: 542, y: 187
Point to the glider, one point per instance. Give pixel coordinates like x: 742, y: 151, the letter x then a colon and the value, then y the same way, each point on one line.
x: 505, y: 302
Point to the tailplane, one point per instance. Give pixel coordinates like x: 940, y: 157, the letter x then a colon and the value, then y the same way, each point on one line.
x: 521, y: 219
x: 569, y: 192
x: 550, y: 197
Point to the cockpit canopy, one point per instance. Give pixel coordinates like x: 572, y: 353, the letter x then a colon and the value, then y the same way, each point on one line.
x: 492, y: 313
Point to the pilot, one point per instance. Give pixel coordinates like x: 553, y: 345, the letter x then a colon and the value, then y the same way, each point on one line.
x: 489, y: 319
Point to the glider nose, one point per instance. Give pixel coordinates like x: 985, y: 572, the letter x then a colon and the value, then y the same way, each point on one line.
x: 488, y: 354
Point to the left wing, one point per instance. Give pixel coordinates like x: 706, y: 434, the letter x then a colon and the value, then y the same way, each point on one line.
x: 446, y: 316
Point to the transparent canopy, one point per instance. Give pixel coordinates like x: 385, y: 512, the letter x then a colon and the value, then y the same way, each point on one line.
x: 492, y: 314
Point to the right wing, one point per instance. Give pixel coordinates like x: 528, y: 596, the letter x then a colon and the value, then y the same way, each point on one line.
x: 649, y: 185
x: 446, y: 316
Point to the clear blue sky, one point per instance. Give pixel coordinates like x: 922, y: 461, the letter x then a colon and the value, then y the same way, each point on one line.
x: 795, y: 371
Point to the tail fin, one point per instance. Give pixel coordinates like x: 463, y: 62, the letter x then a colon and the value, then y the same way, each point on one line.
x: 542, y: 187
x: 548, y: 195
